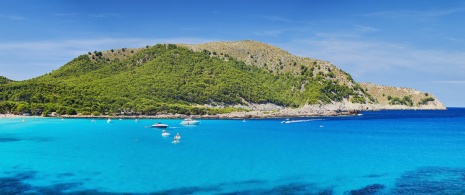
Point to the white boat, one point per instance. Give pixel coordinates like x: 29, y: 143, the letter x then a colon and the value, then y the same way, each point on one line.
x: 165, y: 133
x: 295, y: 121
x: 175, y: 141
x: 109, y: 120
x: 177, y: 136
x: 159, y: 125
x: 286, y: 121
x: 189, y: 121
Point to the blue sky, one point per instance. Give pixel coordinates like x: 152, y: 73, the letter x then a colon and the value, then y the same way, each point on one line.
x: 416, y: 44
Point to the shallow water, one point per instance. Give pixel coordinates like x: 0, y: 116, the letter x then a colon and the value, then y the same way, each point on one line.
x: 387, y: 152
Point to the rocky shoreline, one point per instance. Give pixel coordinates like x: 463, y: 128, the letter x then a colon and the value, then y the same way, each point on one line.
x: 264, y: 111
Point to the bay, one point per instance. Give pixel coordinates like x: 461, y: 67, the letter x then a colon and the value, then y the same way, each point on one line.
x: 385, y: 152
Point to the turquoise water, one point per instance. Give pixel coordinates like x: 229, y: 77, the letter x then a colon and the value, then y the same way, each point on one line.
x: 386, y: 152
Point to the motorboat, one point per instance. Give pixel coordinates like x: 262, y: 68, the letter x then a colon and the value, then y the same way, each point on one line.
x: 287, y: 121
x: 189, y: 121
x: 177, y: 136
x: 159, y: 125
x: 165, y: 133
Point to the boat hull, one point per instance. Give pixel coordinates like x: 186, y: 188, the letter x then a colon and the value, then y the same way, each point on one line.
x: 160, y: 126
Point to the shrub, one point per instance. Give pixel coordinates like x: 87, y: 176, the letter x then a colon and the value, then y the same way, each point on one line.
x: 425, y: 100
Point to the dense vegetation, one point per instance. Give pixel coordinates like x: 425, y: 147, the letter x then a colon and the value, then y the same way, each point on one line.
x: 164, y: 79
x: 4, y: 80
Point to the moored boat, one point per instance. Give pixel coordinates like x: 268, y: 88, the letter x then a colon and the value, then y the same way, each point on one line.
x: 159, y: 125
x: 165, y: 133
x: 189, y: 121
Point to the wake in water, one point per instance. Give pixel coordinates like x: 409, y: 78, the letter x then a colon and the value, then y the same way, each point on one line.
x: 287, y: 121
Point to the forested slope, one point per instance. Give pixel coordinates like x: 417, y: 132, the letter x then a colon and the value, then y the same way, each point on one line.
x: 4, y: 80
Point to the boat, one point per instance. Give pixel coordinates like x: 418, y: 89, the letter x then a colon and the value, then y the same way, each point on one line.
x: 244, y: 121
x: 177, y: 136
x: 189, y: 121
x: 165, y: 133
x: 287, y: 121
x: 159, y: 125
x: 175, y: 140
x: 109, y: 120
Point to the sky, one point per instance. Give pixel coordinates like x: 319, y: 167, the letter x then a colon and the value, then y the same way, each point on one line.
x: 417, y: 44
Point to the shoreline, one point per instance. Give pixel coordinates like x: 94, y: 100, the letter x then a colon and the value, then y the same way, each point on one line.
x: 233, y: 115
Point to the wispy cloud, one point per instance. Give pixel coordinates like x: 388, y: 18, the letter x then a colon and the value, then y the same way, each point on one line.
x: 373, y: 60
x: 365, y: 29
x: 282, y: 19
x: 105, y: 15
x: 415, y: 14
x: 461, y: 82
x: 11, y: 17
x: 276, y: 18
x: 270, y: 33
x: 453, y: 39
x: 92, y: 15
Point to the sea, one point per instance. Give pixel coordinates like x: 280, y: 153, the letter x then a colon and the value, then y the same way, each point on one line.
x: 381, y: 152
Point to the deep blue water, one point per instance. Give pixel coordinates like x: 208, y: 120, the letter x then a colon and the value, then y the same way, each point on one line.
x: 386, y: 152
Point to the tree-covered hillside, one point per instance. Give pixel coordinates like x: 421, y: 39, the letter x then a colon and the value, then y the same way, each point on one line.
x: 4, y: 80
x: 167, y: 79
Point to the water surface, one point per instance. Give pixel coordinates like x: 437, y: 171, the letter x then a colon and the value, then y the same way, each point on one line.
x: 386, y: 152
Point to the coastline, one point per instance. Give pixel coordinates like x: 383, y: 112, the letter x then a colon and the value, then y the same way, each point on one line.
x: 263, y: 111
x: 285, y: 113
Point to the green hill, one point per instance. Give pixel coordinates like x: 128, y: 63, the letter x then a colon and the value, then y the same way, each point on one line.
x: 4, y: 80
x: 176, y: 79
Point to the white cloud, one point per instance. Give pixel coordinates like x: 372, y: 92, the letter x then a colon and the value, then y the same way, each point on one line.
x: 415, y: 14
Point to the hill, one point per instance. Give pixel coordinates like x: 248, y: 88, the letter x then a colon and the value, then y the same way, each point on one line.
x: 200, y: 79
x: 401, y: 98
x: 4, y: 80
